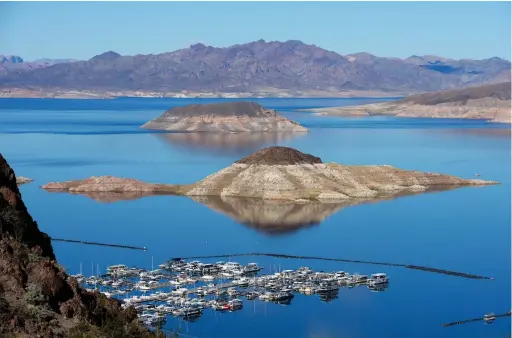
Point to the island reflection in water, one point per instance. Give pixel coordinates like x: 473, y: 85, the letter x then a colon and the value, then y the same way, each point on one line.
x: 273, y: 217
x: 239, y: 144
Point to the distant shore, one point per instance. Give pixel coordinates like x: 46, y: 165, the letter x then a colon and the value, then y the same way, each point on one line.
x: 489, y: 102
x: 270, y: 93
x: 492, y: 115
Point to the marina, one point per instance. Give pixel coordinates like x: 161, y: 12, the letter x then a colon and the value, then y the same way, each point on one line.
x: 185, y: 289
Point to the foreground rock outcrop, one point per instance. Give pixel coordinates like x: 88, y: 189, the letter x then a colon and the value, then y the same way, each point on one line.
x: 286, y: 174
x: 37, y: 297
x: 488, y: 102
x: 224, y: 117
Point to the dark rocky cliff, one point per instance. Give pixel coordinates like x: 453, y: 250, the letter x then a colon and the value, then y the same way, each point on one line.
x: 37, y: 297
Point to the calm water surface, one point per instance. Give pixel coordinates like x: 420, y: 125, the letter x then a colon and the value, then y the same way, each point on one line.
x: 466, y: 230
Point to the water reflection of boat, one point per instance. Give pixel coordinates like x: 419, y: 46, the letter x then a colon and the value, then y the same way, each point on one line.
x: 378, y: 287
x: 329, y: 296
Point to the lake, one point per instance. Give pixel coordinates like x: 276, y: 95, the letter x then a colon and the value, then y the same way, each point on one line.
x: 465, y: 230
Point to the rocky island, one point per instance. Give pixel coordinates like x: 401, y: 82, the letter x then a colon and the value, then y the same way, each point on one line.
x: 37, y: 297
x: 489, y: 102
x: 286, y: 174
x: 230, y: 117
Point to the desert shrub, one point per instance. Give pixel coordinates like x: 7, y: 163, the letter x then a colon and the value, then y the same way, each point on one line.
x: 34, y: 295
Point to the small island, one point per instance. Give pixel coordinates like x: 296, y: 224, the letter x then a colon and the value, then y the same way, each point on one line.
x: 487, y: 102
x: 285, y: 174
x: 22, y: 180
x: 231, y: 117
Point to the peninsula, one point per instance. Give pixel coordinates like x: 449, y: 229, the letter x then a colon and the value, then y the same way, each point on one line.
x: 286, y: 174
x: 22, y: 180
x: 223, y: 117
x: 489, y: 102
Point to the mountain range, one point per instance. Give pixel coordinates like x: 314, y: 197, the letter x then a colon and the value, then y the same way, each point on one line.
x: 258, y: 66
x: 16, y: 63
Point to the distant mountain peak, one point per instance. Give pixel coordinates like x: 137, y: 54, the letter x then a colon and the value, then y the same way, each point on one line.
x: 110, y: 55
x: 10, y: 59
x: 198, y: 45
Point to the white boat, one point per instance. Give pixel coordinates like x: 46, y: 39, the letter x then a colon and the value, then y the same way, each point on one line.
x: 489, y: 318
x: 144, y: 287
x: 116, y: 268
x: 208, y: 278
x: 267, y: 296
x: 360, y: 278
x: 325, y: 288
x: 117, y: 283
x: 179, y: 292
x: 242, y: 282
x: 378, y: 278
x: 251, y: 268
x: 231, y: 266
x: 235, y: 304
x: 233, y: 292
x: 237, y: 272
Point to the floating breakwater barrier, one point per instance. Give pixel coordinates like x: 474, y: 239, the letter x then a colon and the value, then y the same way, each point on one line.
x: 408, y: 266
x: 447, y: 272
x: 101, y: 244
x: 476, y: 320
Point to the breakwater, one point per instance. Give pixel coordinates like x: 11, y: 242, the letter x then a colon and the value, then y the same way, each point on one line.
x: 407, y: 266
x: 475, y: 320
x: 100, y: 244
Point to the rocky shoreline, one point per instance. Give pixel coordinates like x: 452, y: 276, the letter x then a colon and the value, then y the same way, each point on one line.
x: 277, y: 93
x: 490, y: 102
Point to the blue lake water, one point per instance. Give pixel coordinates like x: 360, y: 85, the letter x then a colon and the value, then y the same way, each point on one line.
x: 465, y: 230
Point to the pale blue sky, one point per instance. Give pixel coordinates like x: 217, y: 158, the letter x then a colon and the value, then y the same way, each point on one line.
x: 83, y: 29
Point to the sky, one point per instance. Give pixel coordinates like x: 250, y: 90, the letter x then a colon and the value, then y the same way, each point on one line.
x: 81, y: 30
